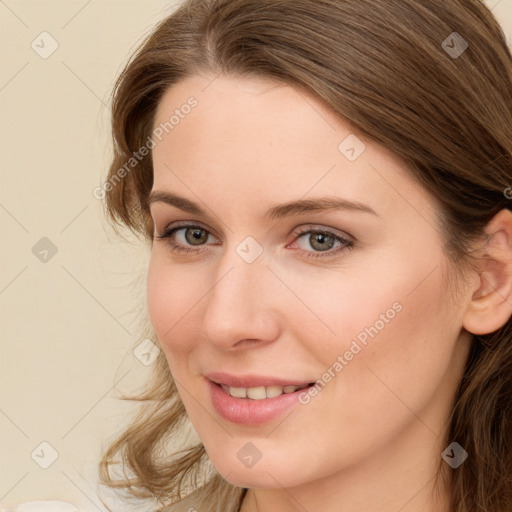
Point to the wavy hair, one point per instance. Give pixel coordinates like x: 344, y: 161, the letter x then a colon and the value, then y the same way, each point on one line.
x: 385, y: 66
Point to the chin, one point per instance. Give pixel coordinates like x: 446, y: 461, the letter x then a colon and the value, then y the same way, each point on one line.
x: 264, y: 474
x: 255, y: 479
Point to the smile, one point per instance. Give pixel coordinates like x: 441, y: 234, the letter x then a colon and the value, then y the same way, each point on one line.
x: 261, y: 392
x: 252, y: 400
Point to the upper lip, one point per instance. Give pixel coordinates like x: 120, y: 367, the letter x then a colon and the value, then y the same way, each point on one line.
x: 252, y: 381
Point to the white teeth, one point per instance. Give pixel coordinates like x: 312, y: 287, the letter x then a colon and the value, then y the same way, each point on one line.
x: 257, y: 393
x: 273, y: 391
x: 260, y: 392
x: 238, y: 392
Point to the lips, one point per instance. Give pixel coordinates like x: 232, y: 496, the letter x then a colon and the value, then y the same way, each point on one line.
x: 252, y: 400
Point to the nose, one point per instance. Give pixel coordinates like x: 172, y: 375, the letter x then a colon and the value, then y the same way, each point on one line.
x: 241, y: 307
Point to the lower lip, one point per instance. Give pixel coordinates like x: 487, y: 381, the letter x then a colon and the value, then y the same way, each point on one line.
x: 246, y: 411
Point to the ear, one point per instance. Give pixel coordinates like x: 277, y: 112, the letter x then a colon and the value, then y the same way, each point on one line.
x: 491, y: 304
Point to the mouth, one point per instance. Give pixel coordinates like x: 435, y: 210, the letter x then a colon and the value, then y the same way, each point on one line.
x: 261, y: 392
x: 254, y: 387
x: 253, y: 400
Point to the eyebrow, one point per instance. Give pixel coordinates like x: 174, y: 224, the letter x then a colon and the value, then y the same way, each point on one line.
x: 299, y: 207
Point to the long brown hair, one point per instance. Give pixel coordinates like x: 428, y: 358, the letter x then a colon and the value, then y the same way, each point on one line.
x: 431, y: 80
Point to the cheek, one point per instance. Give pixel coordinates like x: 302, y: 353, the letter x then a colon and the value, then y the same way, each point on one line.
x: 171, y: 296
x: 401, y: 361
x: 343, y: 307
x: 392, y: 318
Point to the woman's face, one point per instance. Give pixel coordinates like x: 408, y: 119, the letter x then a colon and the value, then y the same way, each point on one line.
x: 298, y: 255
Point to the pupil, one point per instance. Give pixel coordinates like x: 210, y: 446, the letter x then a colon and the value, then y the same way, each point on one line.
x: 319, y: 240
x: 198, y: 235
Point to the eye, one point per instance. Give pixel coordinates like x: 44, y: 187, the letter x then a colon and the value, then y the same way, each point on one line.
x: 186, y: 238
x: 323, y: 242
x: 190, y: 238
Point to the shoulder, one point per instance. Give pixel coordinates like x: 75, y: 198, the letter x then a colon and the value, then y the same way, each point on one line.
x: 190, y: 504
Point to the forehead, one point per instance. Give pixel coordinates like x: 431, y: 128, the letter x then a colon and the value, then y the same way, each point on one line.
x: 255, y: 112
x: 247, y: 137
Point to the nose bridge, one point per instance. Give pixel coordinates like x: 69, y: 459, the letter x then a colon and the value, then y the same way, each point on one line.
x: 239, y: 305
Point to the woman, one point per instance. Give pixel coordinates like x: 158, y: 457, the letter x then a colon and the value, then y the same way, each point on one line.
x: 323, y: 186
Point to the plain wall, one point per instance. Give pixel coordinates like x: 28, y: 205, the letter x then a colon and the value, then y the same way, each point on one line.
x: 69, y: 319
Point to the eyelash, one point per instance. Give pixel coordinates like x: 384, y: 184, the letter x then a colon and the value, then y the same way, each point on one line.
x: 347, y: 244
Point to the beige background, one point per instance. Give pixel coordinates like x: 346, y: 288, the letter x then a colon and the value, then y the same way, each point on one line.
x: 68, y: 324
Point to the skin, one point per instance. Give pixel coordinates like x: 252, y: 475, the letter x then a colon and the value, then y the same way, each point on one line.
x: 372, y: 438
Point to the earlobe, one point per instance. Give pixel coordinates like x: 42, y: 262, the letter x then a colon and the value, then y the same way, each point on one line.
x: 490, y: 306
